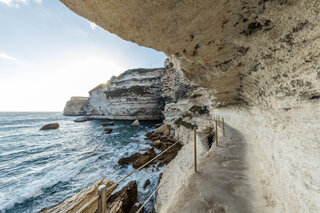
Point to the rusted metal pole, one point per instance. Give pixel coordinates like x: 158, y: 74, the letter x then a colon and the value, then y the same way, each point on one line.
x: 195, y: 148
x: 223, y: 127
x: 217, y: 140
x: 102, y: 198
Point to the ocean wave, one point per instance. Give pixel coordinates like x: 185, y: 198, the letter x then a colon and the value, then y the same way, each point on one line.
x: 62, y: 173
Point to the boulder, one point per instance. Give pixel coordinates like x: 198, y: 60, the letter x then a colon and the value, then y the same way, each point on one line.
x: 162, y: 129
x: 135, y: 123
x: 153, y: 136
x: 107, y: 131
x: 144, y: 158
x: 123, y: 200
x: 156, y: 144
x: 169, y: 155
x: 147, y: 183
x: 108, y: 124
x: 50, y: 126
x: 129, y: 159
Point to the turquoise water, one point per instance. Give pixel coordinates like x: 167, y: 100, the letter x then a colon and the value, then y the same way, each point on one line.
x: 42, y: 168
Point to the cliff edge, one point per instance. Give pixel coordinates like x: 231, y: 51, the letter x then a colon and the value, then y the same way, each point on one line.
x: 76, y: 106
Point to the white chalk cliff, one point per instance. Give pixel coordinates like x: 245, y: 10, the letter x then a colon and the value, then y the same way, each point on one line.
x: 256, y: 63
x: 135, y: 94
x: 76, y: 106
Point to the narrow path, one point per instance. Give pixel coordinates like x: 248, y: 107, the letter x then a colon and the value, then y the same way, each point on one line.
x: 221, y: 184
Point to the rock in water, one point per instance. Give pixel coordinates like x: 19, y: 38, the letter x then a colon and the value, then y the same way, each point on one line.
x: 108, y: 124
x: 107, y: 131
x: 123, y: 200
x: 50, y: 126
x: 129, y: 159
x: 146, y: 184
x: 144, y: 158
x: 135, y: 123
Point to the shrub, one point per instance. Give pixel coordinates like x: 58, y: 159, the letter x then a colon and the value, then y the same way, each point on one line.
x: 199, y: 109
x: 196, y: 95
x: 179, y: 122
x: 187, y: 114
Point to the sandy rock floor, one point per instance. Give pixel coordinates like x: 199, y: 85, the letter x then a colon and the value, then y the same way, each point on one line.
x: 221, y: 184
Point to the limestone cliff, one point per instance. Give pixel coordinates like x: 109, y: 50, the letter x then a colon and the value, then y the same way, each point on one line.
x: 259, y: 64
x: 76, y: 106
x: 135, y: 94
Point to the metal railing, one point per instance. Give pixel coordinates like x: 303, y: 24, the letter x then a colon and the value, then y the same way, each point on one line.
x: 102, y: 190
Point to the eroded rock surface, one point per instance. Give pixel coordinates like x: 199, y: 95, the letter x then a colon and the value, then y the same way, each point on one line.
x: 76, y: 106
x: 246, y: 51
x: 135, y: 94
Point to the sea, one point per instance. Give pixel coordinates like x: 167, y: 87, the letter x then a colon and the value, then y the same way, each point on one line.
x: 39, y: 169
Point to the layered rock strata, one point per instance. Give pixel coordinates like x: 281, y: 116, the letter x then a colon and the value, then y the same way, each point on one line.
x: 135, y: 94
x: 76, y: 106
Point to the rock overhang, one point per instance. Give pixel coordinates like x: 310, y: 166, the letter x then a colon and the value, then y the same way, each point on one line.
x: 257, y: 52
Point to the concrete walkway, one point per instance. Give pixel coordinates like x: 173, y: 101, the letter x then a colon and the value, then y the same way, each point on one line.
x: 221, y: 185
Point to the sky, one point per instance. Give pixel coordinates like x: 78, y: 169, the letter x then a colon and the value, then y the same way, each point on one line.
x: 48, y: 54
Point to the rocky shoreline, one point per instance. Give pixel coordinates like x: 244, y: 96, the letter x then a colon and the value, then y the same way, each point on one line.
x: 125, y: 200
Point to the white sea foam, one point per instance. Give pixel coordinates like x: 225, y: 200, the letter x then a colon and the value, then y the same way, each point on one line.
x: 35, y: 188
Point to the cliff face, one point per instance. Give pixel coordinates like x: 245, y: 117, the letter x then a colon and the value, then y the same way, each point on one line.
x: 135, y: 94
x: 76, y: 106
x: 247, y: 51
x: 258, y: 65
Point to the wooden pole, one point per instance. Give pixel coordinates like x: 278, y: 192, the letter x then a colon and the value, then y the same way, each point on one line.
x: 217, y: 140
x: 223, y: 127
x: 102, y: 198
x: 195, y: 148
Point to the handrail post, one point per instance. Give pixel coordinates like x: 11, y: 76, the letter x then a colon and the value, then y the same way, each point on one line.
x: 102, y: 198
x: 217, y: 140
x: 223, y: 127
x: 195, y: 148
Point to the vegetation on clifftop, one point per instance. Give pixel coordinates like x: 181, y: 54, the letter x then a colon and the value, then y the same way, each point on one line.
x: 198, y: 109
x: 179, y: 122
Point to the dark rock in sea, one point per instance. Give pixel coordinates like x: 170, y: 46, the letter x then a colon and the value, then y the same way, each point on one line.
x: 129, y: 159
x: 108, y: 124
x: 162, y: 138
x: 156, y: 144
x: 147, y: 183
x: 135, y: 123
x: 169, y: 155
x: 124, y: 200
x: 144, y: 158
x: 50, y: 126
x: 107, y: 131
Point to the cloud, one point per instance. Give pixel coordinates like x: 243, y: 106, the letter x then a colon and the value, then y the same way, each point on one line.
x: 16, y: 3
x: 7, y: 57
x: 92, y: 25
